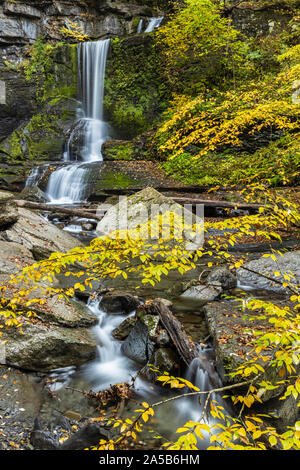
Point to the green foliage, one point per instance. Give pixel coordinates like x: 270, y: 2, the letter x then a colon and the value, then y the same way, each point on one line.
x: 200, y: 47
x: 278, y: 163
x: 41, y: 69
x: 135, y: 94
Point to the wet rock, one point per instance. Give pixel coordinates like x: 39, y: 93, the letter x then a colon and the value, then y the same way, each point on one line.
x: 119, y: 303
x: 42, y: 440
x: 223, y: 276
x: 202, y: 294
x: 286, y: 264
x: 86, y: 437
x: 163, y: 339
x: 138, y: 345
x: 122, y: 331
x: 87, y: 226
x: 165, y: 359
x: 8, y: 210
x: 32, y: 193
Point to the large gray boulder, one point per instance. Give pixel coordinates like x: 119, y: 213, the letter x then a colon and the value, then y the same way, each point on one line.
x: 39, y: 347
x: 134, y: 212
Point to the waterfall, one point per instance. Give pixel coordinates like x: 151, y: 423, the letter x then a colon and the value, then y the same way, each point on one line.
x: 92, y: 58
x: 110, y: 366
x: 140, y: 26
x: 153, y: 24
x: 69, y: 184
x: 35, y: 176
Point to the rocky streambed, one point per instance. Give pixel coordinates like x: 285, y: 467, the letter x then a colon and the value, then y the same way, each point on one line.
x: 89, y: 345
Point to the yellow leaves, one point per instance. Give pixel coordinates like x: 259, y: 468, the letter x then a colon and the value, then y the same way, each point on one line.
x: 273, y: 440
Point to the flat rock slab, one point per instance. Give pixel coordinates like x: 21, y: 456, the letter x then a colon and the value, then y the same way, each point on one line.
x: 129, y: 177
x: 229, y: 327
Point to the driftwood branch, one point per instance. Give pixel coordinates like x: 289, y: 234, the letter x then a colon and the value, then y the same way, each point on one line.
x: 86, y: 214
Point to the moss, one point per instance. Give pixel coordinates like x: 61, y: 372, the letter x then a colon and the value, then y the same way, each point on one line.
x: 135, y: 91
x: 43, y: 136
x: 119, y: 151
x: 53, y: 69
x: 115, y: 180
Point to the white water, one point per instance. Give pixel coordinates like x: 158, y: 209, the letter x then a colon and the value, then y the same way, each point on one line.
x: 140, y: 26
x: 35, y: 176
x: 153, y: 24
x: 110, y: 366
x: 92, y: 58
x: 69, y: 184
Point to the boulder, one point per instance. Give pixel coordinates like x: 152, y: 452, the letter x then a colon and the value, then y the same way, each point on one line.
x: 223, y: 276
x: 202, y: 294
x: 138, y: 345
x: 165, y: 359
x: 33, y: 193
x: 40, y: 347
x: 38, y: 235
x: 119, y: 303
x: 122, y: 331
x: 163, y: 339
x: 8, y: 210
x: 136, y: 211
x: 286, y: 264
x: 227, y: 325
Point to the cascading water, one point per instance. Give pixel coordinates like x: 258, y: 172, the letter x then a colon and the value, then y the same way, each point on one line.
x: 110, y: 366
x: 153, y: 24
x: 69, y: 184
x: 36, y: 175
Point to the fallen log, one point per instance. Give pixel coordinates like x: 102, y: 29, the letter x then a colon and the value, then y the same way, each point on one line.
x: 86, y: 214
x: 186, y: 348
x: 216, y: 203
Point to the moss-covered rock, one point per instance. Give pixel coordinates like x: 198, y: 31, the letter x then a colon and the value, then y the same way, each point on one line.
x: 136, y: 93
x: 43, y: 137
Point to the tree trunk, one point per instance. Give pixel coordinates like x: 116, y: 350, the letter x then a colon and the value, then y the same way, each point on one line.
x: 86, y: 214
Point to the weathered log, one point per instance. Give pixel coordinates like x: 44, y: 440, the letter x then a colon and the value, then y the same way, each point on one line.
x: 216, y: 203
x: 86, y: 214
x: 186, y: 348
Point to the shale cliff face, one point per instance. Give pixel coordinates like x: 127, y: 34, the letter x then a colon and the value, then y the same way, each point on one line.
x: 23, y: 22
